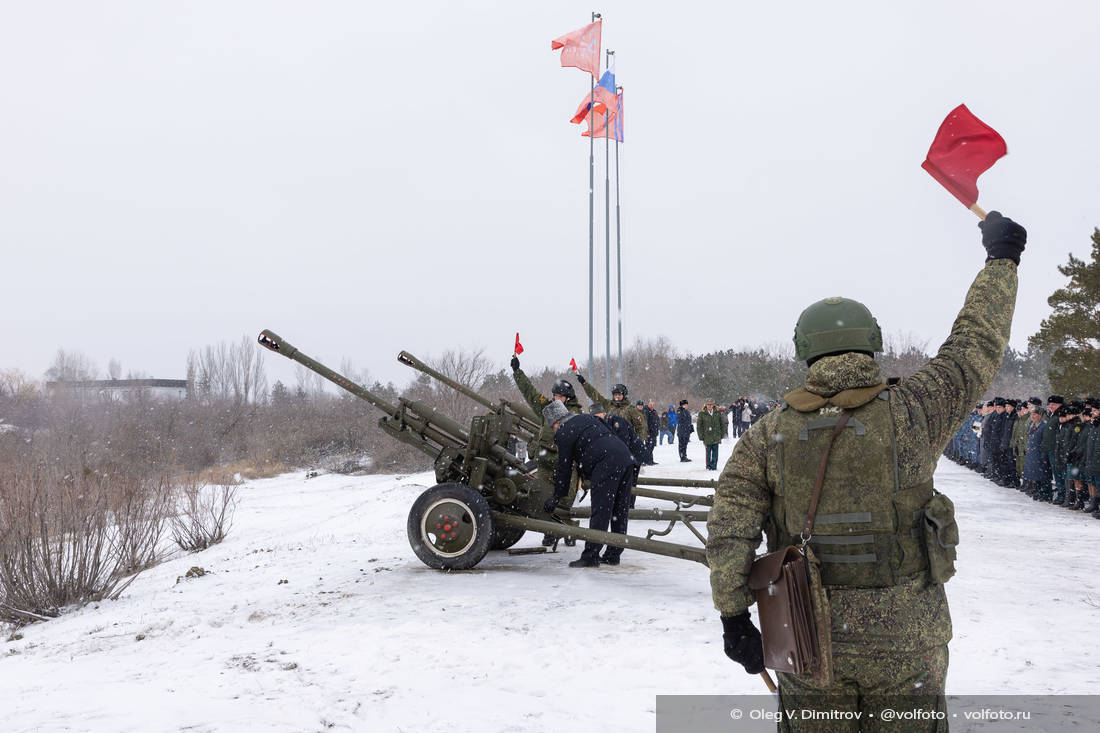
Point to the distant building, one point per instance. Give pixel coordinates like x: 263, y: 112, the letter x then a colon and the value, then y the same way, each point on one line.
x: 122, y: 390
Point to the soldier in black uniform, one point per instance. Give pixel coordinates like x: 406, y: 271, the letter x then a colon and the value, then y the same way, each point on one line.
x: 606, y: 462
x: 1007, y: 469
x: 996, y: 433
x: 624, y: 431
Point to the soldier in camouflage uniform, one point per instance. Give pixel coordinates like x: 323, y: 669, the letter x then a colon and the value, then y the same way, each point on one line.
x: 883, y: 535
x: 618, y: 405
x: 544, y: 451
x: 1019, y: 440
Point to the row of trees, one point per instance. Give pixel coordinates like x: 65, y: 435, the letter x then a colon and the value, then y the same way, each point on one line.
x: 232, y: 414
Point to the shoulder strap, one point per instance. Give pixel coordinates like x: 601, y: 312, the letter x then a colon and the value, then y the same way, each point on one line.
x: 808, y: 525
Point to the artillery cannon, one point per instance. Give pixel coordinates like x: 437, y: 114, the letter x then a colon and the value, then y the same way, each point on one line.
x: 485, y: 497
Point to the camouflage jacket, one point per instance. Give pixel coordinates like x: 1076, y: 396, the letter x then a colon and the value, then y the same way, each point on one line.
x: 926, y: 409
x: 546, y: 453
x: 1019, y: 440
x: 710, y: 428
x: 622, y: 409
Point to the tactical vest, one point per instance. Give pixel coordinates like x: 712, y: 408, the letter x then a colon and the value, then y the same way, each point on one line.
x: 868, y: 529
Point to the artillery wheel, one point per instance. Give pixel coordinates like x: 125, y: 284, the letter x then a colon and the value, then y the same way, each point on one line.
x: 450, y: 527
x: 505, y: 537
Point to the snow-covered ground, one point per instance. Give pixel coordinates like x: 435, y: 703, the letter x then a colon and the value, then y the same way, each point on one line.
x: 314, y: 615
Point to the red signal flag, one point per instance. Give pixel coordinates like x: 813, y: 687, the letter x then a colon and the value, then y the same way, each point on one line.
x: 573, y: 364
x: 964, y: 148
x: 519, y: 346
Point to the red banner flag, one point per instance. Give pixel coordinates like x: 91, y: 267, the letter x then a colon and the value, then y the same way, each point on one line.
x: 605, y: 103
x: 964, y: 148
x: 573, y: 364
x: 581, y: 48
x: 611, y: 127
x: 519, y: 346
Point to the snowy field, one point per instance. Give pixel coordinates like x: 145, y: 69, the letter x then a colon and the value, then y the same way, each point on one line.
x: 315, y: 615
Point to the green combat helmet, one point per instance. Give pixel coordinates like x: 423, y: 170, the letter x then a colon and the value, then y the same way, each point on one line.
x: 835, y: 325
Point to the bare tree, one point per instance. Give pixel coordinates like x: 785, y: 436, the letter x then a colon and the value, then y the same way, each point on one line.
x: 228, y: 371
x: 14, y: 383
x: 71, y: 366
x: 469, y: 368
x: 308, y: 383
x: 349, y: 370
x: 114, y: 369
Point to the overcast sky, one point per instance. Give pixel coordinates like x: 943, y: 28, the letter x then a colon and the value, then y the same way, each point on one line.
x: 366, y: 177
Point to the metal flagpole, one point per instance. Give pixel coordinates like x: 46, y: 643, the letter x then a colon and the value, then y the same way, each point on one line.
x: 618, y: 238
x: 607, y: 233
x: 591, y: 207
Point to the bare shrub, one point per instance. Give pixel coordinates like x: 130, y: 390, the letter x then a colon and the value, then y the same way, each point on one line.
x: 141, y: 510
x: 204, y: 516
x: 71, y: 538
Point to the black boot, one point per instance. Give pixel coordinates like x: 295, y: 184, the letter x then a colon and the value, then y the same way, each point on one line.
x: 585, y: 562
x: 1059, y: 498
x: 1093, y: 504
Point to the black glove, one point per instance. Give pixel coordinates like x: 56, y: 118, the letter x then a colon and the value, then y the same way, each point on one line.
x: 550, y: 505
x: 580, y: 378
x: 515, y: 362
x: 1002, y: 237
x: 742, y: 642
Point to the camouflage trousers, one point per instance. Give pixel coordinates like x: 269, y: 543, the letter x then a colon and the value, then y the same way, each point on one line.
x: 909, y: 683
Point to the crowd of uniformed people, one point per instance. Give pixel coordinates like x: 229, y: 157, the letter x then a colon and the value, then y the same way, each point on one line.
x: 1051, y: 452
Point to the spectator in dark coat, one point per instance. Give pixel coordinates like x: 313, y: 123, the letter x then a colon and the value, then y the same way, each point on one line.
x: 653, y: 423
x: 684, y: 429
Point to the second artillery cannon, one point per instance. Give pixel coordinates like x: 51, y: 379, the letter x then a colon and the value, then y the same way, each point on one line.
x: 485, y: 497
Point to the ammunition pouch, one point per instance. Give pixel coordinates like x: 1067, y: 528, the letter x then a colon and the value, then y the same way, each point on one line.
x: 941, y: 536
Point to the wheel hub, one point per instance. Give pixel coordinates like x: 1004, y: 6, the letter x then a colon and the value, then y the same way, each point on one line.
x: 448, y: 527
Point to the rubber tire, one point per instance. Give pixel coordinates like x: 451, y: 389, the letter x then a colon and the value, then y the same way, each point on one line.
x: 478, y: 510
x: 505, y: 537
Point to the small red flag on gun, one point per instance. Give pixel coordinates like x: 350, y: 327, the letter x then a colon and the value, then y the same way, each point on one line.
x: 519, y: 347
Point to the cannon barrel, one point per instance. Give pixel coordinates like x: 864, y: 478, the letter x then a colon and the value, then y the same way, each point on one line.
x: 429, y: 437
x: 527, y: 418
x: 273, y: 342
x: 431, y: 430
